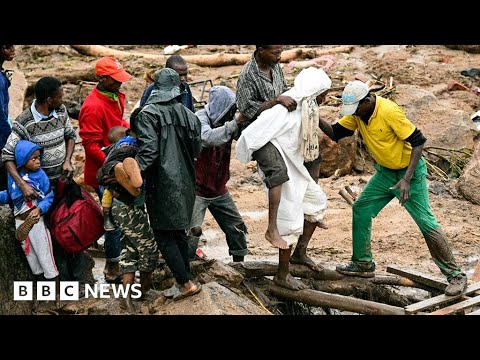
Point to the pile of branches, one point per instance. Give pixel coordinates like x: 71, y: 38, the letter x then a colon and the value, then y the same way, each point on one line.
x: 445, y: 163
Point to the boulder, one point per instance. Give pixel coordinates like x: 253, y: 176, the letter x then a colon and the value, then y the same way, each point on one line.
x: 13, y: 266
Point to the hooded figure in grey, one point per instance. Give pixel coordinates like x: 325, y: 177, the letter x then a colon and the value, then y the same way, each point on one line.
x: 219, y: 126
x: 217, y: 118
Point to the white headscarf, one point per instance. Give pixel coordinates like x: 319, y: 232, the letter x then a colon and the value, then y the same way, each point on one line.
x: 308, y: 84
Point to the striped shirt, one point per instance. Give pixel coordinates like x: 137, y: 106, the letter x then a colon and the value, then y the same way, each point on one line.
x: 50, y: 133
x: 254, y: 87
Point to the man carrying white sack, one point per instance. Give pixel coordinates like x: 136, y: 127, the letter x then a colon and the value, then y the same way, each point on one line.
x: 303, y: 203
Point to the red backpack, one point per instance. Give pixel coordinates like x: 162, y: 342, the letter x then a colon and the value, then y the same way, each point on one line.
x: 76, y: 221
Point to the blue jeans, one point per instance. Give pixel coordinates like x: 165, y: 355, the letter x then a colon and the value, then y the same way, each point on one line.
x: 112, y: 245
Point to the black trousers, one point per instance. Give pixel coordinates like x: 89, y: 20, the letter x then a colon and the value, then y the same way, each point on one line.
x: 173, y: 245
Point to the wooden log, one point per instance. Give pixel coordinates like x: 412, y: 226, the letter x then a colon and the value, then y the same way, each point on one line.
x: 213, y: 60
x: 251, y: 269
x: 323, y: 299
x: 266, y: 268
x: 366, y: 290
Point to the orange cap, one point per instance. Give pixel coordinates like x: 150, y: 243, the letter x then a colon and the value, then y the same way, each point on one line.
x: 110, y: 66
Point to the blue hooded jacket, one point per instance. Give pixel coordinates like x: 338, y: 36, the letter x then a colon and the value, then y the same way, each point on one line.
x: 38, y: 180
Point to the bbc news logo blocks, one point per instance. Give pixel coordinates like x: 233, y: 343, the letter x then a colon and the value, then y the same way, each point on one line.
x: 45, y: 290
x: 69, y: 291
x: 23, y: 290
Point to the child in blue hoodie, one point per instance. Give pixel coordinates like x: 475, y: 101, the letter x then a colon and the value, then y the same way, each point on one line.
x: 31, y: 230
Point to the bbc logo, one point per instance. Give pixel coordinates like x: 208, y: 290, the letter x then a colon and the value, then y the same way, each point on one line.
x: 46, y: 290
x: 69, y: 290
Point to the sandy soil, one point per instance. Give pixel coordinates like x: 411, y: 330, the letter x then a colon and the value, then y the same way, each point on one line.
x: 396, y: 239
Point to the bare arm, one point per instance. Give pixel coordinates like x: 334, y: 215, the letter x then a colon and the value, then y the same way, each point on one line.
x: 404, y: 183
x: 289, y: 103
x: 67, y: 167
x: 417, y: 140
x: 326, y: 128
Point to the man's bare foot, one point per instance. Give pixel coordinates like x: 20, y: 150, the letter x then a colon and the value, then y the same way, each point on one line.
x: 322, y: 225
x: 305, y: 260
x: 276, y: 240
x: 289, y: 283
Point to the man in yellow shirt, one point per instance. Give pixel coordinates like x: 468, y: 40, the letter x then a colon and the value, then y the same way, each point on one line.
x: 396, y: 145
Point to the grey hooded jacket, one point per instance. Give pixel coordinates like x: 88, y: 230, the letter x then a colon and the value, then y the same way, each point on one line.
x: 221, y: 100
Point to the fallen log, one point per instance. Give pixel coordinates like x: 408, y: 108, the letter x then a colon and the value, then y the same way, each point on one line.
x: 213, y: 60
x: 323, y: 299
x: 266, y: 268
x: 251, y: 269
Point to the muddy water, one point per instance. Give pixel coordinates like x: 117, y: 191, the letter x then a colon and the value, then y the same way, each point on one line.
x: 214, y: 245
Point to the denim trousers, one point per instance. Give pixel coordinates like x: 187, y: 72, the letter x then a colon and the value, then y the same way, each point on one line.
x: 112, y: 245
x: 226, y: 214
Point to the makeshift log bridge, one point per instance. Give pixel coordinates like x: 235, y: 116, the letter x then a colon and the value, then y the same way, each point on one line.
x: 330, y: 291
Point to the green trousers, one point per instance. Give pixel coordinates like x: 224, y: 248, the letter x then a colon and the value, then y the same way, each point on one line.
x: 376, y: 195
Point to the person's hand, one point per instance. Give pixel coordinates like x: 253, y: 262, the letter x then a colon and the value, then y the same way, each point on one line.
x: 35, y: 214
x: 404, y: 186
x: 109, y: 180
x: 28, y: 192
x: 67, y: 169
x: 240, y: 119
x: 288, y: 102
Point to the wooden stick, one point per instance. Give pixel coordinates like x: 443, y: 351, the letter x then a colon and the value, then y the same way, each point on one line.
x: 350, y: 191
x: 346, y: 196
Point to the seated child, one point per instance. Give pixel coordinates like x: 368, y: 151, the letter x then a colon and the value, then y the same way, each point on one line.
x: 30, y: 227
x: 119, y: 168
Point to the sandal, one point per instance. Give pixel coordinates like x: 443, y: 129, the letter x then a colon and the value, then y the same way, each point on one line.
x: 180, y: 296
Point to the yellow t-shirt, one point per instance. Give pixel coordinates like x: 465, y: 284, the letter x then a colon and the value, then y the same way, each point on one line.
x: 385, y: 134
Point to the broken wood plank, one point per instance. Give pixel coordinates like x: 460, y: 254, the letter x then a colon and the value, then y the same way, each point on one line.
x: 346, y: 303
x: 418, y: 277
x: 476, y: 312
x: 457, y: 307
x: 439, y: 300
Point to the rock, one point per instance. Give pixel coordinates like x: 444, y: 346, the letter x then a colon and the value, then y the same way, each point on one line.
x: 214, y: 299
x: 469, y: 182
x: 336, y: 157
x: 224, y: 274
x: 13, y: 266
x: 441, y: 125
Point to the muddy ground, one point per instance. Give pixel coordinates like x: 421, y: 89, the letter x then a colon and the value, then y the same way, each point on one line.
x: 396, y: 239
